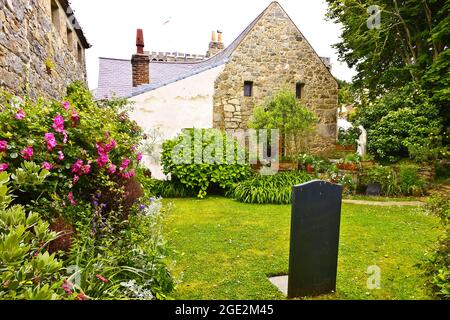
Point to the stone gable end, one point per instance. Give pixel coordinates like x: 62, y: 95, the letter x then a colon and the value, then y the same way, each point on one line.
x: 272, y: 55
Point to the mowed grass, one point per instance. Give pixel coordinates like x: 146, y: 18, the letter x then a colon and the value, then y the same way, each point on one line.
x: 227, y: 250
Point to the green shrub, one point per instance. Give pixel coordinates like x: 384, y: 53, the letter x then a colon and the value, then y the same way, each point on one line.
x: 172, y: 189
x: 28, y: 271
x: 349, y: 137
x: 401, y: 180
x: 76, y: 160
x: 385, y: 177
x: 202, y: 176
x: 126, y: 264
x: 437, y: 267
x: 404, y: 123
x: 409, y: 181
x: 276, y: 189
x: 68, y: 139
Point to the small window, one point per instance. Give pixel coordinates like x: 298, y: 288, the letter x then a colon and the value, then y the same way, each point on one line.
x: 55, y: 15
x: 248, y: 89
x: 69, y: 38
x: 80, y: 53
x: 300, y: 90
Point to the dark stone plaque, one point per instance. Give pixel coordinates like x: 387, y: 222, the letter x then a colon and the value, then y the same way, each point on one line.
x: 373, y: 189
x: 315, y: 225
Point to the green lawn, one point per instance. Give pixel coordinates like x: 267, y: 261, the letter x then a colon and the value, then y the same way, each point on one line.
x: 227, y: 250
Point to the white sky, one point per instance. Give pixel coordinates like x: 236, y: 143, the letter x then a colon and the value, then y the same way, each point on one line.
x: 185, y: 26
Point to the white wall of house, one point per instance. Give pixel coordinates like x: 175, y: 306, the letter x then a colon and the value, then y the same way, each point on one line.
x: 187, y: 103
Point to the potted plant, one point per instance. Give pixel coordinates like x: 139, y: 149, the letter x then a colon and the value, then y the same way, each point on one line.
x: 350, y: 163
x: 307, y: 161
x: 347, y: 140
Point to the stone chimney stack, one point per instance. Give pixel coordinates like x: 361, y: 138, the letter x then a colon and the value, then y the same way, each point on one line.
x: 140, y: 62
x: 216, y: 45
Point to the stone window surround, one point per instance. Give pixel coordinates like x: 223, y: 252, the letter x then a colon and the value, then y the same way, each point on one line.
x: 77, y: 47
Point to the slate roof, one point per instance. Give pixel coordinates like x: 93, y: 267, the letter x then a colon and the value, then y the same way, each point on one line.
x: 114, y: 77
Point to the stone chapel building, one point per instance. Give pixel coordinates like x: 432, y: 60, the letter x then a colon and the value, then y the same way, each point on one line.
x: 42, y: 47
x: 173, y: 91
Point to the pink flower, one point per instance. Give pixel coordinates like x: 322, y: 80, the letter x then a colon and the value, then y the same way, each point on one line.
x: 65, y: 136
x: 76, y: 179
x: 82, y: 297
x: 47, y: 166
x: 132, y: 174
x: 20, y: 115
x: 112, y: 169
x: 87, y: 169
x: 3, y: 146
x: 3, y: 167
x: 71, y: 198
x: 111, y: 145
x: 77, y: 167
x: 102, y: 279
x: 60, y: 156
x: 125, y: 164
x: 51, y: 141
x: 58, y: 124
x: 74, y: 117
x: 67, y: 286
x: 102, y: 160
x: 66, y: 105
x: 27, y: 153
x: 139, y: 157
x: 133, y: 148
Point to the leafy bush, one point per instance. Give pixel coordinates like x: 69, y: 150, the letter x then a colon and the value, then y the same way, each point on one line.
x: 409, y: 180
x: 110, y: 264
x: 74, y: 164
x: 84, y: 146
x: 202, y: 176
x: 349, y: 137
x: 276, y: 189
x: 438, y: 266
x: 402, y: 124
x: 172, y: 189
x: 28, y: 271
x: 385, y: 177
x: 404, y: 180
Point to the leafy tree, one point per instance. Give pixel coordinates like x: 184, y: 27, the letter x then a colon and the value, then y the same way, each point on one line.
x: 411, y: 37
x: 285, y: 113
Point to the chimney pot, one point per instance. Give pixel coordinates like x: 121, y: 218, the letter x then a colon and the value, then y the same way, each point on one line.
x: 220, y: 39
x: 213, y: 37
x: 140, y: 41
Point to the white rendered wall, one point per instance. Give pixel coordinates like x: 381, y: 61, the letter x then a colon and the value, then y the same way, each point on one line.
x: 187, y: 103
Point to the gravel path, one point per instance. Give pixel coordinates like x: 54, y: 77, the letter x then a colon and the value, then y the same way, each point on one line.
x: 386, y: 203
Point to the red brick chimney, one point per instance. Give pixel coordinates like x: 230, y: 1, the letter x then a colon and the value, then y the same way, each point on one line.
x: 140, y: 62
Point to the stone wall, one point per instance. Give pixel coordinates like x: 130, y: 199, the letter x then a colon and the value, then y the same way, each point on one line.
x: 272, y: 55
x: 35, y: 58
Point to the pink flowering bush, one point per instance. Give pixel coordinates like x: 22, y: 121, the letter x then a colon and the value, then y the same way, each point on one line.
x: 85, y: 146
x: 89, y: 153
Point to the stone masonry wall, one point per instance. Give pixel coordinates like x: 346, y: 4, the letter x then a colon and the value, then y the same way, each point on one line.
x: 30, y: 43
x: 275, y: 54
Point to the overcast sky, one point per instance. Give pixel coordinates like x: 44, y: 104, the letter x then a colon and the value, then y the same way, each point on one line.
x: 186, y: 25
